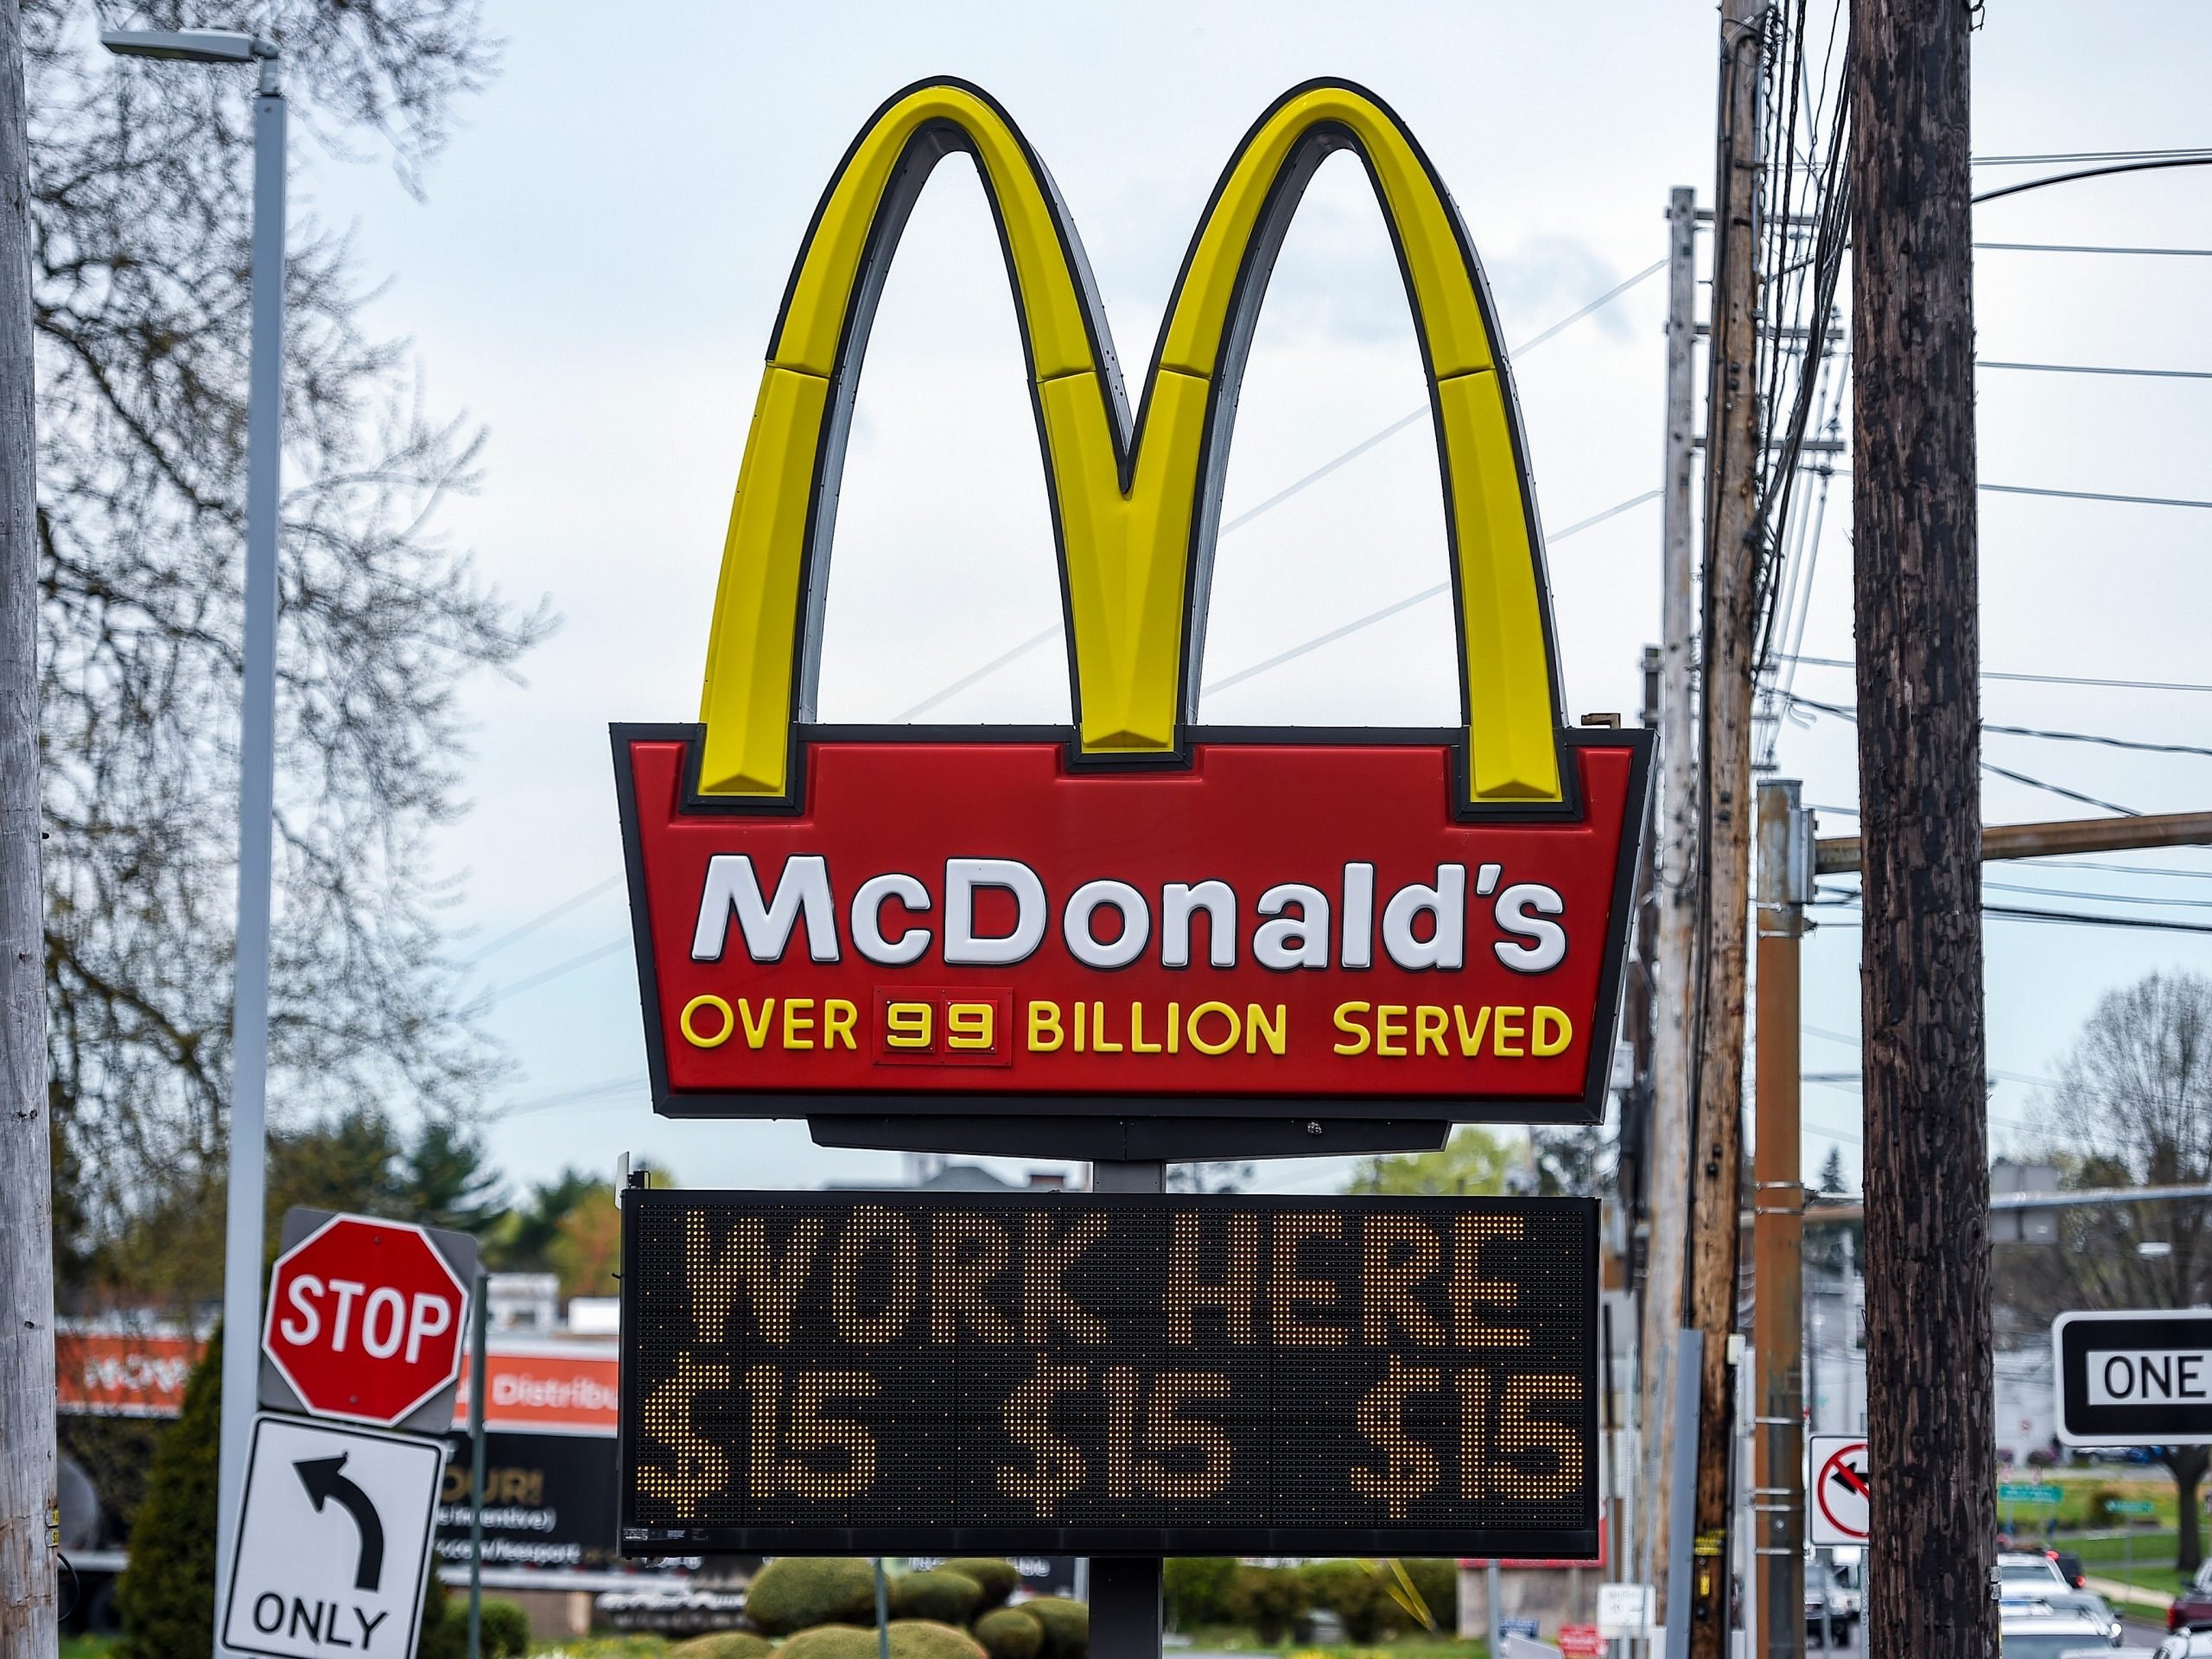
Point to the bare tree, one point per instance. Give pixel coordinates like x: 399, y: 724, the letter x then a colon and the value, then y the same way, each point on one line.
x: 2133, y: 1109
x: 142, y: 210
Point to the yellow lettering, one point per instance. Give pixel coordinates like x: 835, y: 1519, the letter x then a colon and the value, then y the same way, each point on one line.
x: 1257, y: 1028
x: 728, y: 1020
x: 1348, y: 1022
x: 1471, y: 1042
x: 1137, y: 1044
x: 1506, y: 1027
x: 799, y: 1019
x: 1078, y: 1027
x: 970, y: 1025
x: 1287, y: 1293
x: 1098, y: 1043
x: 907, y: 1024
x: 1390, y: 1022
x: 1174, y: 1027
x: 1428, y: 1027
x: 1554, y: 1031
x: 756, y: 1035
x: 1044, y: 1035
x: 837, y: 1017
x: 1198, y: 1041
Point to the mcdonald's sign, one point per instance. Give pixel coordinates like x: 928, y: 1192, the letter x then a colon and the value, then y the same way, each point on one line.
x: 1136, y: 916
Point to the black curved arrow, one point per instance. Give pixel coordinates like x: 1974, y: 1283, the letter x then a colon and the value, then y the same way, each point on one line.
x: 323, y: 1480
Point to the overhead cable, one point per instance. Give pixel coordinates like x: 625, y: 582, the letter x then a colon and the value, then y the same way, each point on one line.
x: 2084, y: 368
x: 2088, y: 247
x: 2041, y: 679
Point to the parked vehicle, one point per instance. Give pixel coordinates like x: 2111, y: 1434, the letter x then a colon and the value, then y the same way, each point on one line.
x: 2192, y: 1609
x: 2081, y: 1603
x: 2027, y: 1629
x: 2018, y: 1569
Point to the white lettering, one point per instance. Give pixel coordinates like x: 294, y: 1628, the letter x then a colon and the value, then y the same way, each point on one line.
x: 803, y: 886
x: 302, y: 1287
x: 1359, y: 916
x: 1445, y: 904
x: 419, y: 1325
x: 1547, y: 946
x: 1136, y: 924
x: 2156, y: 1376
x: 1178, y: 902
x: 347, y: 1289
x: 383, y: 1297
x: 961, y: 877
x: 1299, y: 941
x: 868, y: 920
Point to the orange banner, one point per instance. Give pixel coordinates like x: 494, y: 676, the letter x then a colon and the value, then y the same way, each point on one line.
x: 122, y: 1373
x: 553, y: 1387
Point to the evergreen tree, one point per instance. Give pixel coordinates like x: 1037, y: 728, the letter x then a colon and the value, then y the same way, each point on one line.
x: 1832, y: 1176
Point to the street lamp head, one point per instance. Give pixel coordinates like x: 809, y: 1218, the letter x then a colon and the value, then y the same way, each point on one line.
x: 196, y: 45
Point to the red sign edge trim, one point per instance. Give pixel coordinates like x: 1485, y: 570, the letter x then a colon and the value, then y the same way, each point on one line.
x: 1590, y: 1109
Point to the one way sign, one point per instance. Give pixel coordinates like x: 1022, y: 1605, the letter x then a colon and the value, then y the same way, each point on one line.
x: 333, y: 1543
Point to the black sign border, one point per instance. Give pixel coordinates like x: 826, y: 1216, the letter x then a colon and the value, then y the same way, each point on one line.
x: 2080, y: 1423
x: 1136, y: 1105
x: 1568, y: 1544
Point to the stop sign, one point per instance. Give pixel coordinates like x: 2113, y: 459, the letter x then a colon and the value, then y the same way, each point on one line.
x: 366, y: 1319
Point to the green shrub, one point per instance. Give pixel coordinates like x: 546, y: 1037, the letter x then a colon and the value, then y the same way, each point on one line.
x: 945, y: 1596
x: 1437, y: 1583
x: 505, y: 1629
x: 998, y: 1578
x: 1355, y: 1596
x: 910, y: 1638
x: 1010, y: 1633
x: 795, y: 1593
x: 444, y: 1622
x: 166, y: 1595
x: 1196, y: 1590
x: 1269, y: 1599
x: 1066, y: 1625
x: 723, y: 1644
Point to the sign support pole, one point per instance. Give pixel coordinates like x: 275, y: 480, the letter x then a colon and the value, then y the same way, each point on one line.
x: 1127, y: 1605
x: 479, y: 1384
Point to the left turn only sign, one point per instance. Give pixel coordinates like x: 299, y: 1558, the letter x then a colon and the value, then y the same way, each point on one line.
x: 333, y: 1541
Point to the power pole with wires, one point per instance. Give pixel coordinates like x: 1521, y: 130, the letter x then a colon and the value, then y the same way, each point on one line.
x: 1734, y: 439
x: 1673, y: 912
x: 28, y: 1518
x: 1932, y: 1442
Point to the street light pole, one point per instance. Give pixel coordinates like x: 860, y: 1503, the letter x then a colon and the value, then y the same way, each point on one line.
x: 257, y: 761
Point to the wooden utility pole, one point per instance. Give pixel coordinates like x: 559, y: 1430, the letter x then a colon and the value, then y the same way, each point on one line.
x: 1785, y: 881
x: 1732, y: 565
x: 1932, y: 1444
x: 1674, y: 913
x: 28, y: 1519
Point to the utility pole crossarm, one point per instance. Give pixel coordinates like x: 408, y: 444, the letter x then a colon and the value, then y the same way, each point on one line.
x: 1839, y: 855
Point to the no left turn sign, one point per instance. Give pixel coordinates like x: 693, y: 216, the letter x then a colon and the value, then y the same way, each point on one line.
x: 1837, y: 1500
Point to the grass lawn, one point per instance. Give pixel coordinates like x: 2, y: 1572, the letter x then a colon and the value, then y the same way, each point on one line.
x: 86, y: 1647
x: 1229, y: 1638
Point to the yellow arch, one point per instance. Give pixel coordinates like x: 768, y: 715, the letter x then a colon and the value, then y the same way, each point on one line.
x: 1136, y: 512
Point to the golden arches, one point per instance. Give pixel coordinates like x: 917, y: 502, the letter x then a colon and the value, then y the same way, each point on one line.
x: 1135, y: 510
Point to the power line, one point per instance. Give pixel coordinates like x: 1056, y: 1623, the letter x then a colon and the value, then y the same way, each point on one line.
x: 532, y: 981
x: 2100, y: 898
x: 2031, y: 679
x: 2077, y: 917
x: 2085, y: 247
x: 541, y: 919
x: 1406, y: 604
x: 1842, y: 713
x: 2092, y: 495
x: 2185, y: 158
x: 2061, y: 158
x: 1845, y: 713
x: 2083, y: 368
x: 1299, y: 485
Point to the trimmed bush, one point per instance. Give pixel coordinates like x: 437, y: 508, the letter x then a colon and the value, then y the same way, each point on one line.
x: 795, y: 1593
x: 1010, y: 1633
x: 910, y: 1638
x: 1269, y: 1599
x: 944, y: 1595
x: 1066, y: 1625
x: 506, y: 1630
x: 1196, y: 1590
x: 1355, y: 1596
x: 998, y: 1578
x: 723, y: 1644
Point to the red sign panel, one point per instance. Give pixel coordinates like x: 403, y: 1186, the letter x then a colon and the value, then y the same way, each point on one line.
x: 121, y: 1373
x: 547, y: 1388
x: 972, y: 922
x: 365, y: 1321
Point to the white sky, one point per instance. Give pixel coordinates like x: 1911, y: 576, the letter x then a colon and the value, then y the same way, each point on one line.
x: 598, y: 264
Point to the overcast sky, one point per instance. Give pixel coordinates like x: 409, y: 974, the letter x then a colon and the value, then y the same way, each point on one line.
x: 597, y: 265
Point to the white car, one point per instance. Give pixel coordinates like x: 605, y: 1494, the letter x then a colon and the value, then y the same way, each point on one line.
x: 2032, y: 1631
x: 2019, y: 1570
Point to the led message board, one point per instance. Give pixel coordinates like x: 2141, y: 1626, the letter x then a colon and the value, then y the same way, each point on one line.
x: 946, y: 1373
x: 1133, y: 916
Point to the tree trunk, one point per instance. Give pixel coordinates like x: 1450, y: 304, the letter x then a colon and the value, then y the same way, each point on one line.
x: 2188, y: 1463
x: 1928, y: 1321
x: 27, y: 1472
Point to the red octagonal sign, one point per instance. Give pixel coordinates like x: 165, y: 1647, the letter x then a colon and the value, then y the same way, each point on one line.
x: 366, y: 1319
